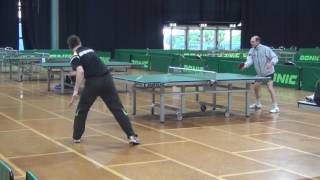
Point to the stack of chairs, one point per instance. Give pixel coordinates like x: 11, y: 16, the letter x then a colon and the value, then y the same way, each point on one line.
x: 6, y: 173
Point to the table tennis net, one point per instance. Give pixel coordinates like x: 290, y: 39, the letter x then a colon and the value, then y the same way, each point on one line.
x: 194, y: 73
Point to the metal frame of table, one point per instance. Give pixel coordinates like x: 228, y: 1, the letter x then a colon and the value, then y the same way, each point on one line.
x: 199, y: 87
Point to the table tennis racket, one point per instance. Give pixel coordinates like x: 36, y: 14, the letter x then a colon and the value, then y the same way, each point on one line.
x: 241, y: 66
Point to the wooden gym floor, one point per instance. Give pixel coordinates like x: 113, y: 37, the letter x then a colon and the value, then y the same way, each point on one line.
x: 36, y: 128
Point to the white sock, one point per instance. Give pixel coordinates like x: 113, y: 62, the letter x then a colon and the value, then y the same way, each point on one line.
x: 275, y: 105
x: 258, y: 102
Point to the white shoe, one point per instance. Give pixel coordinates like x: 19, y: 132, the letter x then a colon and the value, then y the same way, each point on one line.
x: 77, y: 141
x: 310, y: 98
x: 255, y: 106
x: 275, y: 110
x: 134, y: 140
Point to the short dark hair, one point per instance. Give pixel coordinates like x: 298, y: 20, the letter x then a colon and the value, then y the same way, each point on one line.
x: 257, y: 38
x: 73, y: 41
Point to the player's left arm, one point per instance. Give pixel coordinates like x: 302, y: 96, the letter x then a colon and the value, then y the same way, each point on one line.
x: 72, y: 73
x: 79, y: 79
x: 273, y: 58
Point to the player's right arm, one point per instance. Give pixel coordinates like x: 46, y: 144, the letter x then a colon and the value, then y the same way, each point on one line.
x: 249, y: 60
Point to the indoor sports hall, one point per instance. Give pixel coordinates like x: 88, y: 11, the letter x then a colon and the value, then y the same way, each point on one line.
x: 159, y: 89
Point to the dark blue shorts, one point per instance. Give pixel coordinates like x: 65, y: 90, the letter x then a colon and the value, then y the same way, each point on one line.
x: 266, y: 81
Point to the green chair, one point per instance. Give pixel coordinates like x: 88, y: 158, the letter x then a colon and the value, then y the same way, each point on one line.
x: 5, y: 171
x: 30, y: 176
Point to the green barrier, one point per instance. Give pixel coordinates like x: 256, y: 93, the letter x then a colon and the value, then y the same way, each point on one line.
x: 212, y: 63
x: 161, y: 62
x: 309, y: 50
x: 196, y: 64
x: 309, y: 58
x: 307, y: 64
x: 310, y: 75
x: 237, y: 56
x: 165, y: 52
x: 230, y: 67
x: 226, y: 65
x: 141, y: 60
x: 122, y: 55
x: 126, y: 54
x: 308, y: 55
x: 287, y: 76
x: 104, y: 56
x: 192, y: 57
x: 65, y: 53
x: 62, y: 53
x: 176, y: 61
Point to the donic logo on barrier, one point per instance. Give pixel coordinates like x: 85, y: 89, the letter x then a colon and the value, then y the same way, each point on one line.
x: 309, y: 58
x: 287, y: 79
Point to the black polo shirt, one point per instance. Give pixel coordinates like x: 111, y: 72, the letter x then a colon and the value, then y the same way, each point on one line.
x: 91, y: 63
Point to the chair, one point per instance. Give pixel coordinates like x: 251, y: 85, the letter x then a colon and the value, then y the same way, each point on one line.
x: 30, y: 176
x: 5, y: 171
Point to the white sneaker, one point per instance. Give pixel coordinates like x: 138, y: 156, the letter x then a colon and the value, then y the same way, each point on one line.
x: 255, y: 106
x: 275, y: 110
x: 76, y: 141
x: 134, y: 140
x: 310, y: 98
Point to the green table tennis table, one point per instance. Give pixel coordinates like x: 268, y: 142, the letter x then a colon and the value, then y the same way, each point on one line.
x: 65, y: 67
x: 3, y: 54
x: 191, y: 82
x: 23, y: 61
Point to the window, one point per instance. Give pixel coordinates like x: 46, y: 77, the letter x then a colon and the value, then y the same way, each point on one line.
x: 223, y: 39
x: 236, y: 39
x: 194, y: 39
x: 166, y: 38
x: 201, y: 38
x: 178, y: 39
x: 209, y: 39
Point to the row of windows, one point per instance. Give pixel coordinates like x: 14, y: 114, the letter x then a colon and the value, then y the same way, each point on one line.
x: 196, y: 38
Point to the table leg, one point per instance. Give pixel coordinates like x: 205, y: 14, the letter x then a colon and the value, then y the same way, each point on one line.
x: 214, y: 97
x: 19, y: 78
x: 1, y: 66
x: 134, y: 100
x: 49, y: 78
x: 247, y: 112
x: 182, y: 101
x: 62, y: 80
x: 229, y: 107
x: 197, y: 95
x: 10, y: 69
x: 153, y: 100
x: 162, y: 104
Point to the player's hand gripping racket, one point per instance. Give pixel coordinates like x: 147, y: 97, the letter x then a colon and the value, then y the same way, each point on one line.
x: 242, y: 66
